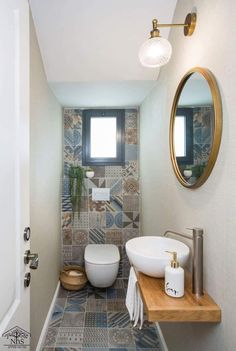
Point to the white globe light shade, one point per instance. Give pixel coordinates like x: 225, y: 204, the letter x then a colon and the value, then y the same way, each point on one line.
x: 155, y: 52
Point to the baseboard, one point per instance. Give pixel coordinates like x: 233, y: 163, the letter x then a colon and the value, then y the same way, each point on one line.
x: 45, y: 326
x: 163, y: 343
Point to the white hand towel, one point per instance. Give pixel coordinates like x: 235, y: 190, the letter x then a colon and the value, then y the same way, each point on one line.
x: 133, y: 300
x: 138, y: 309
x: 131, y: 293
x: 136, y: 306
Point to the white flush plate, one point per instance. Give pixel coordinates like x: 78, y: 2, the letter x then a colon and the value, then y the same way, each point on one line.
x: 101, y: 194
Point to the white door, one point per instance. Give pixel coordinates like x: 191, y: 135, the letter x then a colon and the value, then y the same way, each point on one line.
x: 14, y: 173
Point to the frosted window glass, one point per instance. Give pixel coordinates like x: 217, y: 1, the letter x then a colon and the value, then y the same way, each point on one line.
x: 180, y: 136
x: 103, y: 137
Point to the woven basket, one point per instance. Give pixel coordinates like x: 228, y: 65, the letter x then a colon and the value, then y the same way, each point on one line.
x: 70, y: 281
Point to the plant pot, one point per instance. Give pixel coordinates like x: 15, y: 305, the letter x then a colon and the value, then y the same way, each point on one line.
x: 89, y: 174
x: 188, y: 173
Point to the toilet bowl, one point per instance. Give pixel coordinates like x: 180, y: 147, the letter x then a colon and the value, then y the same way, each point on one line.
x: 101, y: 264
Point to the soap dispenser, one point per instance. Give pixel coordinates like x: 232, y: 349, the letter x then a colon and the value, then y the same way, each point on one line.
x: 174, y: 278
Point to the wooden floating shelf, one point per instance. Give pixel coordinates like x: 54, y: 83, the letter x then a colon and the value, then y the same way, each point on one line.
x: 160, y: 307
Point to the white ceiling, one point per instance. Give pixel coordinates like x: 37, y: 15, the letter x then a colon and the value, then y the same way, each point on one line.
x: 90, y: 48
x: 102, y: 94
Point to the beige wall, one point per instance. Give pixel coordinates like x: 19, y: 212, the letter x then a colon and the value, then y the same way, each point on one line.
x: 46, y: 166
x: 166, y: 204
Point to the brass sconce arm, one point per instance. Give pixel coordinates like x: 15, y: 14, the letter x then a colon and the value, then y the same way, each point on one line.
x: 189, y: 25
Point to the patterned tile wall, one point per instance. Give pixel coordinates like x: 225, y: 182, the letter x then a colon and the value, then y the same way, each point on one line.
x: 112, y: 222
x: 203, y: 118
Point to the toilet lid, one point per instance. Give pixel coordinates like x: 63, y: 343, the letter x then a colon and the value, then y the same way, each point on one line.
x: 101, y: 254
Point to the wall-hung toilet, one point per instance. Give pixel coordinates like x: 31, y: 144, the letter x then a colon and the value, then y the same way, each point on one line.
x: 101, y: 264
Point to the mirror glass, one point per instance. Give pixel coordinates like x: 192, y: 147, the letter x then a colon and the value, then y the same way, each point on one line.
x: 193, y: 135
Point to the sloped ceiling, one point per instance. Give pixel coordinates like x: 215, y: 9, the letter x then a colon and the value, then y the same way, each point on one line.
x: 90, y: 48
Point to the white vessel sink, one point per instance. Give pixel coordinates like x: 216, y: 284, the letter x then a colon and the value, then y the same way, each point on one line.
x: 147, y: 254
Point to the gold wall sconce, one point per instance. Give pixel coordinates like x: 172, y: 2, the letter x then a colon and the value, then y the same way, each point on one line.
x: 156, y: 51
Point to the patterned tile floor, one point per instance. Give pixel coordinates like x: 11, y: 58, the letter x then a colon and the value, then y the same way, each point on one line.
x: 95, y: 319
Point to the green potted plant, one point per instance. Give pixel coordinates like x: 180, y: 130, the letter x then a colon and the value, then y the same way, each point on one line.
x: 76, y: 186
x: 198, y: 170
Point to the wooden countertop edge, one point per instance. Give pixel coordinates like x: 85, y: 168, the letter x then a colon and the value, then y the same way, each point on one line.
x: 190, y: 309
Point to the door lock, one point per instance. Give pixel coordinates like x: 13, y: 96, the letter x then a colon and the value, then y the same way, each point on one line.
x: 27, y: 233
x: 27, y: 280
x: 33, y: 257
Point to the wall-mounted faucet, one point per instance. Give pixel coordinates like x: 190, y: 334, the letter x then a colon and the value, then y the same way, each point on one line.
x: 197, y: 259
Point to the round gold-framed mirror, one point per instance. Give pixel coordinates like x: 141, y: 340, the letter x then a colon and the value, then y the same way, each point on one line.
x: 195, y: 127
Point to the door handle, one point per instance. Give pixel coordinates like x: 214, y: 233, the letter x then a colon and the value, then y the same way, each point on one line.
x: 33, y: 257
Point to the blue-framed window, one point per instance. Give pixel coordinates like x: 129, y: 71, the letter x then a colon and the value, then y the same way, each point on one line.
x: 103, y: 137
x: 184, y: 139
